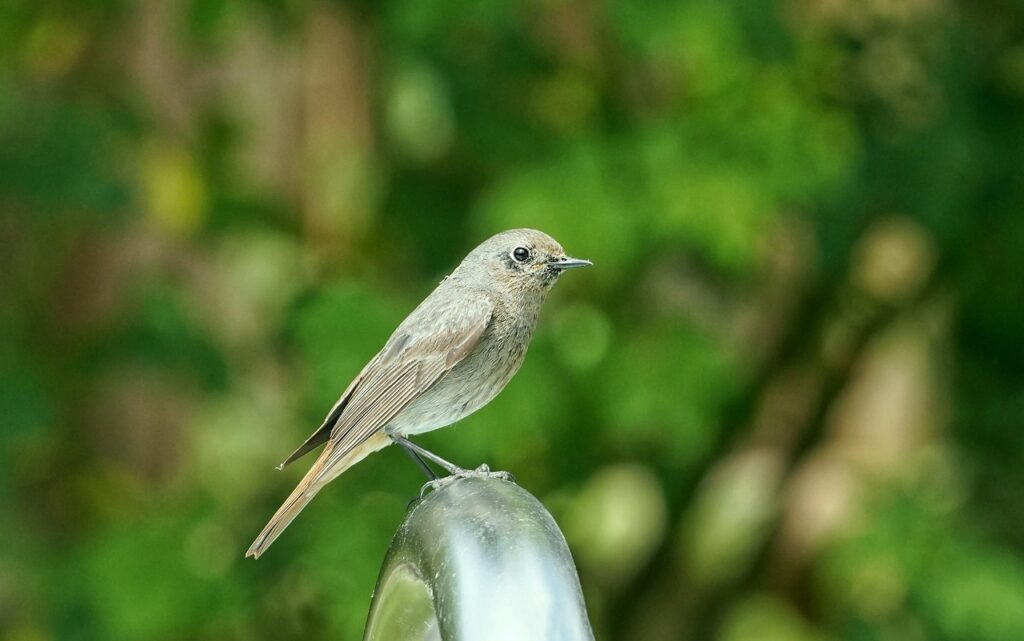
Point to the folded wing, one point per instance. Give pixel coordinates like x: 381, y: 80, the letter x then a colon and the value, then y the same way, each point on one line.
x: 434, y: 339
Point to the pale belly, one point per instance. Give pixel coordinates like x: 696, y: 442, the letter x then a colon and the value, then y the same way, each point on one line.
x: 466, y: 388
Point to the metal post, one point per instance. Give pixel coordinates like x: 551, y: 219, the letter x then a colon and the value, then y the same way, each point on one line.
x: 478, y: 560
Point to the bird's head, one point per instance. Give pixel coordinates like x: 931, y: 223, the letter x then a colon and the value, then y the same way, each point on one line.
x: 521, y: 260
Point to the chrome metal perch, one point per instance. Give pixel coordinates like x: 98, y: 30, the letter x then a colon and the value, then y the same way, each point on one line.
x: 479, y: 559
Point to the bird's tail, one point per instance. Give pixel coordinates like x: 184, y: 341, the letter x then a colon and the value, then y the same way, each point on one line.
x: 310, y: 485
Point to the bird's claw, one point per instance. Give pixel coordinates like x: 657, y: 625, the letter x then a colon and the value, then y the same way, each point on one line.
x: 484, y: 471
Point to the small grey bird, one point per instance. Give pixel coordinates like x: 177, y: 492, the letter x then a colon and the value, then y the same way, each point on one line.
x: 447, y: 359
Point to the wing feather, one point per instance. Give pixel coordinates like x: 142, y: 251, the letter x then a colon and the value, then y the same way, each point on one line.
x: 323, y: 432
x: 415, y: 358
x: 439, y: 334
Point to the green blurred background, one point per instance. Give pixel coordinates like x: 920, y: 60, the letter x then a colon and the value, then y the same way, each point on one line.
x: 785, y: 404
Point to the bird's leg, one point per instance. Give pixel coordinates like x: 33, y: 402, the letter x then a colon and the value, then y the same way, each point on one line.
x: 455, y: 472
x: 421, y: 464
x: 417, y: 452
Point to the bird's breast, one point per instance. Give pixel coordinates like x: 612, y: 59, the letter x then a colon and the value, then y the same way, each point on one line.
x: 468, y: 386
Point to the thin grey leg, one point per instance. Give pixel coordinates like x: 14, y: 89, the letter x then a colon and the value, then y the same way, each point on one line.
x: 420, y: 463
x: 418, y: 451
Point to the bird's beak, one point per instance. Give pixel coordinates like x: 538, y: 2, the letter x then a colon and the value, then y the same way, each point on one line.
x: 565, y: 262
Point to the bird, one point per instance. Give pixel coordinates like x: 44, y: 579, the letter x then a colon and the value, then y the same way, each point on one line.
x: 451, y: 356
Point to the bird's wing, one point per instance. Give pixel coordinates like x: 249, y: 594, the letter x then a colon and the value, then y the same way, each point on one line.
x: 423, y: 349
x: 470, y: 321
x: 323, y: 432
x: 434, y: 338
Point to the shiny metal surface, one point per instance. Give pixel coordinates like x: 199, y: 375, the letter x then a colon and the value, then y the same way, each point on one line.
x: 478, y: 560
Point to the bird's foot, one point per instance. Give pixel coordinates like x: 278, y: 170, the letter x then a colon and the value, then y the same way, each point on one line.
x: 484, y: 471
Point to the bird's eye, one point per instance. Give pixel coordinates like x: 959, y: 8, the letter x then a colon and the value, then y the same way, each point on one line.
x: 521, y: 254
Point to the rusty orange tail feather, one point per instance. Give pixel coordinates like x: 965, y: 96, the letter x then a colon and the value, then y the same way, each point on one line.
x: 310, y: 484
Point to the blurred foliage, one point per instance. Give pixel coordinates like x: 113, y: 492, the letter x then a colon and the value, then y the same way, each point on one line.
x: 785, y: 404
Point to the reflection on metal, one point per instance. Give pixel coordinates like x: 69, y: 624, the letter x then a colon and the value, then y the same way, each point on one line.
x: 480, y: 559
